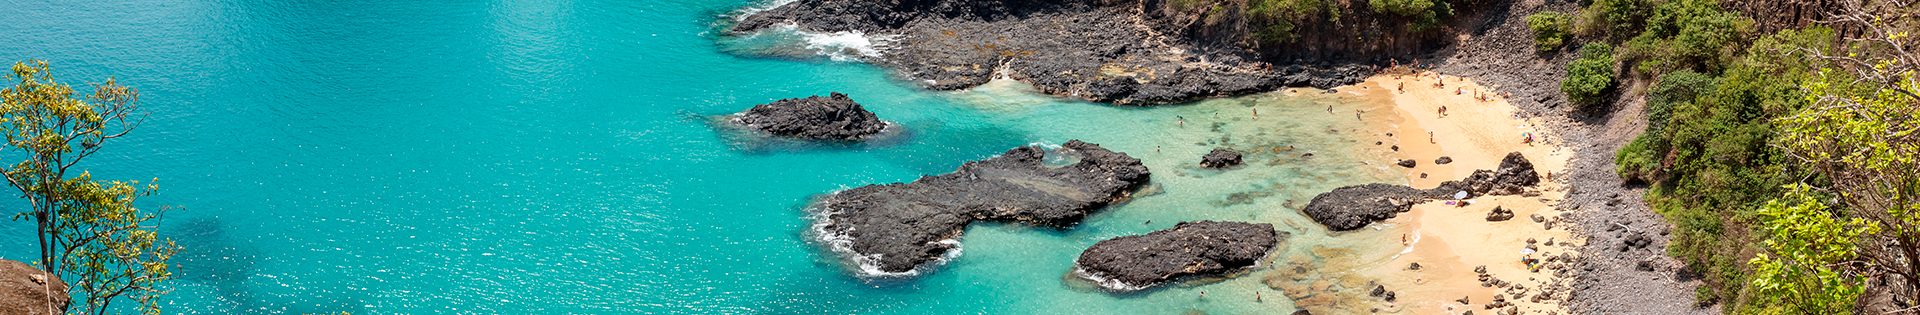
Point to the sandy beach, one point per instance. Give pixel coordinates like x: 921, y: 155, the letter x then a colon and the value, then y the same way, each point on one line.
x: 1450, y: 242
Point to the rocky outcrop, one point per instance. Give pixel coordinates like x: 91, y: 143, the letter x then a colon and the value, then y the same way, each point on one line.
x: 1188, y: 249
x: 1515, y: 174
x: 1353, y: 207
x: 894, y: 229
x: 1099, y: 50
x: 28, y: 290
x: 1499, y: 214
x: 835, y: 117
x: 1221, y: 158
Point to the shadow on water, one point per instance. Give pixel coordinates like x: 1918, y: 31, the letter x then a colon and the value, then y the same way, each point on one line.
x: 211, y: 257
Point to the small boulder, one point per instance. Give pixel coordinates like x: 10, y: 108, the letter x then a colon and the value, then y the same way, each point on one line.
x: 1443, y: 160
x: 1221, y: 158
x: 1407, y: 163
x: 1499, y: 214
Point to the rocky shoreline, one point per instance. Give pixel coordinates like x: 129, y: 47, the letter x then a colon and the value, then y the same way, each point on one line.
x: 1353, y: 207
x: 1102, y: 51
x: 1203, y: 248
x: 897, y: 229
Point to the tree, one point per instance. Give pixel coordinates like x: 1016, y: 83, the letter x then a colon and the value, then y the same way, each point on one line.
x: 1549, y: 30
x: 1589, y: 77
x: 1862, y: 137
x: 91, y: 233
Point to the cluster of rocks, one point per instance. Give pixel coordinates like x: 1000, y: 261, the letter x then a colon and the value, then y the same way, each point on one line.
x: 1221, y: 158
x: 835, y: 117
x: 1099, y: 50
x: 1499, y: 214
x: 1353, y: 207
x: 1188, y: 249
x: 1381, y: 292
x: 895, y: 228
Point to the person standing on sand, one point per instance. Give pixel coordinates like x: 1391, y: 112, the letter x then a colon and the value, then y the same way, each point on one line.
x: 1443, y: 111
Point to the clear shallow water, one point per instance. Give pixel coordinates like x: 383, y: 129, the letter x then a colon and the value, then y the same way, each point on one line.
x: 508, y: 157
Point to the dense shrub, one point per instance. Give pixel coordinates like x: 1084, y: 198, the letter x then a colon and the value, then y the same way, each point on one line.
x: 1589, y: 77
x: 1426, y: 14
x: 1549, y: 30
x: 1614, y: 19
x: 1708, y: 158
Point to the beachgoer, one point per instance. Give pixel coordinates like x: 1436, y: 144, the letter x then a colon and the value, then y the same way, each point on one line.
x: 1430, y: 137
x: 1182, y: 120
x: 1256, y: 113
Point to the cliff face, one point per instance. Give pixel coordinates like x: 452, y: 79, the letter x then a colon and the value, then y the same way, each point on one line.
x: 1317, y: 31
x: 27, y: 290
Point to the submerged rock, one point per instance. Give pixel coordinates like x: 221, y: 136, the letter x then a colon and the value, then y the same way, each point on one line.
x: 893, y: 229
x: 1221, y: 158
x: 28, y: 290
x: 835, y: 117
x: 1188, y: 249
x: 1353, y: 207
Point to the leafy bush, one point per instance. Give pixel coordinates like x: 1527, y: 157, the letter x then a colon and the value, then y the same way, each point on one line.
x: 1616, y: 19
x: 1426, y: 13
x: 1549, y: 29
x: 1589, y: 77
x: 1708, y: 157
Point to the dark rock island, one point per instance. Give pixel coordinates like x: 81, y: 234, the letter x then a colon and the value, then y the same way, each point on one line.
x: 1221, y: 158
x: 893, y: 229
x: 1353, y: 207
x: 835, y: 117
x: 1189, y: 249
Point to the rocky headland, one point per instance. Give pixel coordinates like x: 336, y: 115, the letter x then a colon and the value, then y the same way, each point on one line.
x: 1130, y: 52
x: 833, y: 118
x: 1353, y: 207
x: 1201, y: 248
x: 894, y: 229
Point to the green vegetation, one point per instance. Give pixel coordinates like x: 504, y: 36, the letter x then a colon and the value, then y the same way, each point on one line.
x: 1613, y: 19
x: 1787, y: 165
x: 91, y: 234
x: 1708, y: 156
x: 1282, y: 17
x: 1426, y: 14
x: 1589, y: 77
x: 1550, y: 30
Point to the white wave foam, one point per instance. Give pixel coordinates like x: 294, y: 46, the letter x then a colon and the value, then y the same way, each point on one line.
x: 756, y: 9
x: 843, y: 46
x: 1104, y: 282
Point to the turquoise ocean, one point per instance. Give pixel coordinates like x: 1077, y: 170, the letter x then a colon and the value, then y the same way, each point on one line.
x: 539, y: 157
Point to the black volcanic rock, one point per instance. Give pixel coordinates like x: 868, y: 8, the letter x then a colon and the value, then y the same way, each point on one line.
x: 1444, y: 160
x: 1092, y: 49
x: 835, y: 117
x: 1353, y: 207
x: 895, y: 228
x: 1407, y: 163
x: 1221, y: 158
x: 1188, y: 249
x: 1515, y: 174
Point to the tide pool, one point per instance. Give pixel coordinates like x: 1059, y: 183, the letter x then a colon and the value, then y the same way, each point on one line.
x: 381, y: 157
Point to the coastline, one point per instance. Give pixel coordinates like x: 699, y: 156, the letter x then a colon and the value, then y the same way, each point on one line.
x: 1448, y: 242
